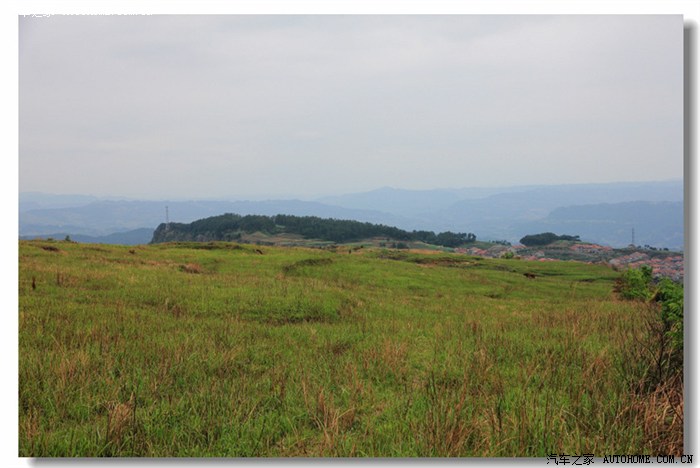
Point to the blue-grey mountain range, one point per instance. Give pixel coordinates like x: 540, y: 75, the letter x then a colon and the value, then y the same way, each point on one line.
x: 600, y: 213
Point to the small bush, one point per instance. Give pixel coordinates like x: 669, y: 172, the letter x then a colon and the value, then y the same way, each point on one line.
x: 670, y: 297
x: 635, y: 284
x: 658, y: 384
x: 665, y: 328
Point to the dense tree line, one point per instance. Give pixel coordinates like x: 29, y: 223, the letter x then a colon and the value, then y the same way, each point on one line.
x: 230, y: 226
x: 546, y: 238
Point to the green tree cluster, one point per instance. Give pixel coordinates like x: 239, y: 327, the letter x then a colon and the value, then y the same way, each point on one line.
x: 546, y: 238
x: 230, y: 226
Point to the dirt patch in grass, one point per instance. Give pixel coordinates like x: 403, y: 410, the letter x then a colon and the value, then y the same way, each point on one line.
x: 207, y: 246
x: 442, y: 261
x: 308, y: 262
x: 430, y: 260
x: 191, y: 268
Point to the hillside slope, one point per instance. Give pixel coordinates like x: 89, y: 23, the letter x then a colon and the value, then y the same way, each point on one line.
x: 228, y: 350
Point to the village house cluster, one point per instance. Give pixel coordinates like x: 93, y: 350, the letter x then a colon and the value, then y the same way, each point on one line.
x: 669, y: 265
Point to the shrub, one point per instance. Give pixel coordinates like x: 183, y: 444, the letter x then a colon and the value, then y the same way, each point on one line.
x: 670, y: 296
x: 636, y: 284
x: 665, y: 328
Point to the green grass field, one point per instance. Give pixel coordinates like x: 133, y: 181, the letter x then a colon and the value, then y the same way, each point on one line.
x: 202, y: 350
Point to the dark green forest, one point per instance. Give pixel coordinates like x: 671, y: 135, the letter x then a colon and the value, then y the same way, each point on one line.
x: 546, y: 238
x: 230, y: 227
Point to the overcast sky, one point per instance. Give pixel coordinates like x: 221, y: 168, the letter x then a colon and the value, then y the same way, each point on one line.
x: 257, y: 106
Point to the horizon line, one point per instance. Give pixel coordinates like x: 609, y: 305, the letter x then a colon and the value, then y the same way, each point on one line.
x: 291, y: 197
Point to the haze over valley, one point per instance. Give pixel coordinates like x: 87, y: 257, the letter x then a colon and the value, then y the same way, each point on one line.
x: 600, y: 213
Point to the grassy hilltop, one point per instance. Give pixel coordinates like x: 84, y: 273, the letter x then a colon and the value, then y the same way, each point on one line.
x: 228, y: 350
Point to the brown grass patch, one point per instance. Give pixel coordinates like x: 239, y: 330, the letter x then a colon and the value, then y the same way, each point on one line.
x: 194, y: 268
x: 120, y: 419
x: 389, y: 357
x: 70, y: 368
x: 29, y: 424
x: 331, y: 419
x: 660, y: 413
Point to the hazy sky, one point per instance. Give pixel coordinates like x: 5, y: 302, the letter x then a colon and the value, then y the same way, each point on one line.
x: 230, y: 106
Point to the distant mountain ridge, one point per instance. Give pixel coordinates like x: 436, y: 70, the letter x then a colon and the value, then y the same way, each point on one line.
x: 653, y: 223
x: 398, y: 201
x: 506, y: 213
x: 105, y: 217
x: 416, y: 202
